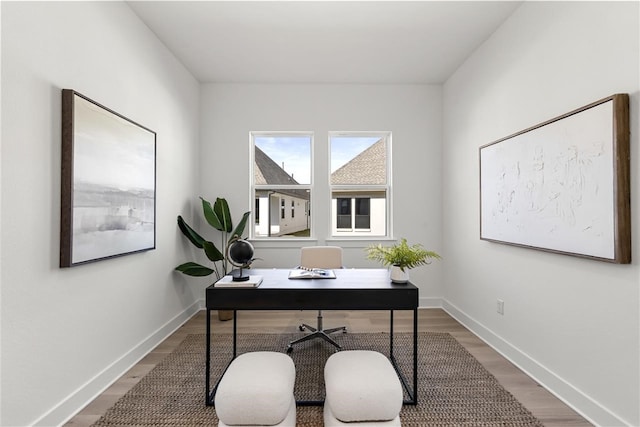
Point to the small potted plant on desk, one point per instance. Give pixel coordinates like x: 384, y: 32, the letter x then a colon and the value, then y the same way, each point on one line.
x: 219, y: 217
x: 401, y: 257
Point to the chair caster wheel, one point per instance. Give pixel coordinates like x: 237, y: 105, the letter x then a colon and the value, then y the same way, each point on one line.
x: 289, y: 349
x: 302, y: 328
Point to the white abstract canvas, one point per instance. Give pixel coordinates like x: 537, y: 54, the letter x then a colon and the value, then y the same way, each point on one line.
x: 113, y: 184
x: 554, y: 186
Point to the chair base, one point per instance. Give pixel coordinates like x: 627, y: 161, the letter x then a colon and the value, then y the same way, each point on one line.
x: 317, y: 332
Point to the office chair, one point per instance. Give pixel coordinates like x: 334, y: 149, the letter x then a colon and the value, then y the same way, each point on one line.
x: 329, y: 257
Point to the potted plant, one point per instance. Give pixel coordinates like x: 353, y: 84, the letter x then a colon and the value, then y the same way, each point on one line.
x: 219, y: 217
x: 401, y: 257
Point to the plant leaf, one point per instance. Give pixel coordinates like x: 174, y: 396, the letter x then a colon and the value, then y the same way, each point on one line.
x: 194, y: 269
x: 401, y: 254
x: 241, y: 225
x: 212, y: 252
x: 191, y: 234
x: 210, y: 215
x: 221, y: 209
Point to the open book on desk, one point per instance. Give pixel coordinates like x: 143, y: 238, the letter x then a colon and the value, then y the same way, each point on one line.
x: 312, y: 273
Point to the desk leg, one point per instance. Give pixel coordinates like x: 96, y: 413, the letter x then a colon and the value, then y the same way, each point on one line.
x: 391, y: 335
x: 413, y: 394
x: 235, y: 334
x: 210, y: 394
x: 415, y: 356
x: 207, y: 399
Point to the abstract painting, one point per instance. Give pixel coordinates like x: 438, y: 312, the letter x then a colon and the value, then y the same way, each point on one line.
x: 563, y: 185
x: 108, y: 183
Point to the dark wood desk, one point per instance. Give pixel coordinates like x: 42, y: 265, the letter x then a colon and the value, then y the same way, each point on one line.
x: 352, y: 289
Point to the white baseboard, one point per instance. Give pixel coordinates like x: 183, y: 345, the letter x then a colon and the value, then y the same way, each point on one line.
x: 588, y: 408
x: 77, y: 400
x: 430, y: 302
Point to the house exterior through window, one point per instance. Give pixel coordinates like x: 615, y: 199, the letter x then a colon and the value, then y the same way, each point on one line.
x: 360, y: 184
x: 281, y: 185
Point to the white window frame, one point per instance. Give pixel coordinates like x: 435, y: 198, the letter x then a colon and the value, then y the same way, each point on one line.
x: 254, y: 187
x: 387, y: 188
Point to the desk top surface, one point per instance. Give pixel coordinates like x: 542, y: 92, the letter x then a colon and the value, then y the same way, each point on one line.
x: 352, y: 289
x: 346, y: 278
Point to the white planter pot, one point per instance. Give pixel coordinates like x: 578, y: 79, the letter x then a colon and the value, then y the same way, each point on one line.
x: 398, y: 276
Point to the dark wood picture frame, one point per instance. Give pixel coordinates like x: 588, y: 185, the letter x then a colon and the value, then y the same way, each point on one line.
x: 108, y: 186
x: 562, y: 186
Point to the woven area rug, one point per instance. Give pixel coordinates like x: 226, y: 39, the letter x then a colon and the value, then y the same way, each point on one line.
x: 454, y: 389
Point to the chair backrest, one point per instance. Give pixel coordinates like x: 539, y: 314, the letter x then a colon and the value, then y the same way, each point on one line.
x: 321, y: 257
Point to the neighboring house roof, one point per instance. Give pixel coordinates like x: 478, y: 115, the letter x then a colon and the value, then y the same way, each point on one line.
x: 268, y: 172
x: 368, y: 167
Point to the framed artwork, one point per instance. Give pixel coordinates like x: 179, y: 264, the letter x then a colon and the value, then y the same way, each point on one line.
x: 563, y: 185
x: 108, y: 192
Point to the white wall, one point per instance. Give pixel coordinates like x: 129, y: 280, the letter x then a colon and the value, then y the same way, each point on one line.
x: 572, y: 323
x: 411, y: 112
x: 67, y: 333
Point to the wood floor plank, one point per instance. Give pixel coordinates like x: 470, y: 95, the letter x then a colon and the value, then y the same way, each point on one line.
x: 545, y: 406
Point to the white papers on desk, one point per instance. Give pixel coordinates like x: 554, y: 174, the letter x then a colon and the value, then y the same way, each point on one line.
x: 227, y: 282
x: 313, y: 273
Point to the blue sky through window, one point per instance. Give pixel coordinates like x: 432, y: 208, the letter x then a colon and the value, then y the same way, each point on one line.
x: 345, y: 148
x: 293, y: 153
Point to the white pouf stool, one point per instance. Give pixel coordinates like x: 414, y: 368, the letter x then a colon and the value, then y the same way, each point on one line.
x: 362, y: 389
x: 257, y: 390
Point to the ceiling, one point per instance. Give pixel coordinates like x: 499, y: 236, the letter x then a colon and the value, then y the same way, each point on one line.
x: 381, y: 42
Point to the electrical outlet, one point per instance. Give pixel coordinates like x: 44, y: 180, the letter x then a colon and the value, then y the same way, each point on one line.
x: 500, y: 307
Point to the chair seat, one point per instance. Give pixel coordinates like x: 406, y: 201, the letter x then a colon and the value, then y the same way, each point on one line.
x: 289, y: 420
x: 257, y: 389
x: 362, y: 385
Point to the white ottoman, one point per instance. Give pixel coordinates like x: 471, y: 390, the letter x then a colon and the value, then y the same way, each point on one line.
x: 362, y: 387
x: 257, y: 390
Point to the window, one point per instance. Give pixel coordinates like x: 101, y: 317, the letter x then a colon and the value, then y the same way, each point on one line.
x: 281, y: 165
x: 343, y: 215
x: 360, y: 183
x: 357, y: 218
x: 357, y: 198
x: 256, y: 211
x: 362, y: 217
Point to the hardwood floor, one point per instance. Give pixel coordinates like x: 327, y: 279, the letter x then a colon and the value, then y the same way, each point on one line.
x: 546, y: 407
